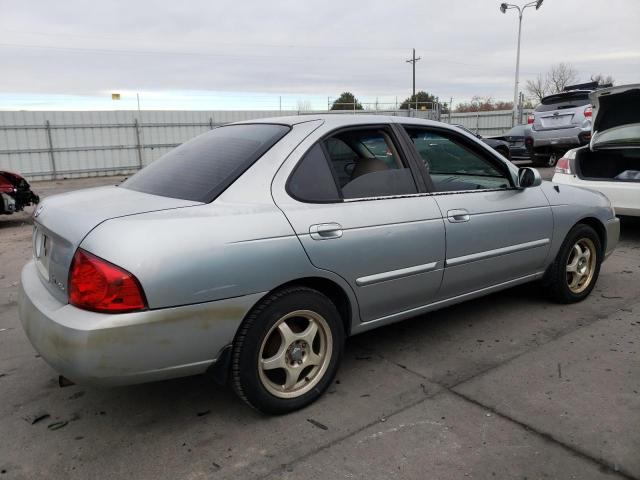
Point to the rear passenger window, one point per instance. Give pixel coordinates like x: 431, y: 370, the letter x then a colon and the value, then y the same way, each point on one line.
x: 366, y: 164
x: 361, y: 163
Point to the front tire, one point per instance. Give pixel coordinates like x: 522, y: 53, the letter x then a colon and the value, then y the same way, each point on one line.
x: 287, y: 350
x: 575, y: 270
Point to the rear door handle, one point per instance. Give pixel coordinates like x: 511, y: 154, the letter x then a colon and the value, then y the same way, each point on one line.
x: 458, y: 216
x: 325, y: 231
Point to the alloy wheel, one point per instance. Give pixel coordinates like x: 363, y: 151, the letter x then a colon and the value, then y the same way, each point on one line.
x: 295, y: 354
x: 581, y: 265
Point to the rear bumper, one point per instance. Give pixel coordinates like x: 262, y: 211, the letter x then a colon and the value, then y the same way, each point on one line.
x: 546, y: 140
x: 624, y: 196
x: 104, y: 349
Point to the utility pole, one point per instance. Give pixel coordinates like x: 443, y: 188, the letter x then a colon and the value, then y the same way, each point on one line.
x: 413, y: 61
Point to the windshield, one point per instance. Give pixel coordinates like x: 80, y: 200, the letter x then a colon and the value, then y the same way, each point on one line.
x: 202, y: 168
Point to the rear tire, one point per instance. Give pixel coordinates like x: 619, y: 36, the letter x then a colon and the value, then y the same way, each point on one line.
x: 287, y: 350
x: 575, y: 270
x: 548, y: 161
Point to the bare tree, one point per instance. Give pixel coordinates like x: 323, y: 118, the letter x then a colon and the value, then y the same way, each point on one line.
x: 537, y: 89
x: 602, y: 79
x: 560, y: 76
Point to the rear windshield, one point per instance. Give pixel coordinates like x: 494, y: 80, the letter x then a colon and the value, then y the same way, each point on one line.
x: 517, y: 131
x: 563, y: 100
x: 202, y: 168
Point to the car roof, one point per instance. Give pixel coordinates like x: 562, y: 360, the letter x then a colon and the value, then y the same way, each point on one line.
x: 341, y: 119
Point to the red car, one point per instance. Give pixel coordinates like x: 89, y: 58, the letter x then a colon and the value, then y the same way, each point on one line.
x: 15, y: 193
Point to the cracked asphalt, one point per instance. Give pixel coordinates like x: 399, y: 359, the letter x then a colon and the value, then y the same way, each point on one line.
x: 507, y: 386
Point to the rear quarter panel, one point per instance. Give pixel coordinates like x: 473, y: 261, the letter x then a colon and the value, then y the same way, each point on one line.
x: 569, y: 206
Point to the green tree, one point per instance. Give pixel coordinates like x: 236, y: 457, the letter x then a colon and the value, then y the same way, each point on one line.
x: 422, y: 98
x: 346, y: 101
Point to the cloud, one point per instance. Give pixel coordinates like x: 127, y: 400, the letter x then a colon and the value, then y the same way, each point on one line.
x: 310, y: 49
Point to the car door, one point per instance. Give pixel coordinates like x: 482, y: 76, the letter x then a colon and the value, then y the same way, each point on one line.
x: 359, y: 208
x: 495, y: 233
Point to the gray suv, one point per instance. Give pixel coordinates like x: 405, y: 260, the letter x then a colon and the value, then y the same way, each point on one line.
x: 561, y: 121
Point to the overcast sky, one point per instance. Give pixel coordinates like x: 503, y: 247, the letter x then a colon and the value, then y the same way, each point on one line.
x: 220, y: 54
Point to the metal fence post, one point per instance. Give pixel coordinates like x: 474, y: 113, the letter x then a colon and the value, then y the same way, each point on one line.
x: 477, y: 122
x: 52, y: 157
x: 211, y: 123
x: 136, y: 125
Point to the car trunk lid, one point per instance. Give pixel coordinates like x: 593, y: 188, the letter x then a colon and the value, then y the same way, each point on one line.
x: 616, y: 122
x: 63, y: 221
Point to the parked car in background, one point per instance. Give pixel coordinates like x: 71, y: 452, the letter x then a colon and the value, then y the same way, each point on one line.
x: 254, y: 249
x: 515, y: 139
x: 611, y: 164
x: 15, y: 193
x: 561, y: 121
x: 500, y: 146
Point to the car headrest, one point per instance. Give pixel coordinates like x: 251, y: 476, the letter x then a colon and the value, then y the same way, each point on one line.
x: 368, y: 165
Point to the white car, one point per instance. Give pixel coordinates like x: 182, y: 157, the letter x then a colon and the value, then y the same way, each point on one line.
x: 611, y: 162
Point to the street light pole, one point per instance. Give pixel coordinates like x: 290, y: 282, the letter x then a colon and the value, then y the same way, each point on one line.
x: 514, y: 121
x: 503, y: 8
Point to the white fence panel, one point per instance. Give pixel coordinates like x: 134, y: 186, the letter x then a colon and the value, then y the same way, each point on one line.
x: 45, y: 145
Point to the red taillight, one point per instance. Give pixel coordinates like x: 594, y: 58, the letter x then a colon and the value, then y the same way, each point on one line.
x: 563, y: 165
x: 588, y: 111
x: 530, y: 118
x: 95, y: 284
x: 6, y: 186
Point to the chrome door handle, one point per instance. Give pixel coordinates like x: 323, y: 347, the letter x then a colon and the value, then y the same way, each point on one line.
x: 458, y: 216
x: 325, y: 231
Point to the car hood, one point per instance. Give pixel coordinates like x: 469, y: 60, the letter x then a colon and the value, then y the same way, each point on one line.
x: 616, y: 117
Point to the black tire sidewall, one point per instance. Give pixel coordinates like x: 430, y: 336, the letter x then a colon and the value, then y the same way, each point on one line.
x: 261, y: 320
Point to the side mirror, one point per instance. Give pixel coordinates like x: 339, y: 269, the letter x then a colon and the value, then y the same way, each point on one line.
x: 528, y: 177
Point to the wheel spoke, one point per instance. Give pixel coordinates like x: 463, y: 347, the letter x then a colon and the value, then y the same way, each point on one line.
x: 292, y: 375
x: 288, y: 337
x: 309, y: 333
x: 575, y: 280
x: 586, y: 254
x: 573, y: 267
x: 277, y: 361
x: 577, y: 250
x: 312, y: 359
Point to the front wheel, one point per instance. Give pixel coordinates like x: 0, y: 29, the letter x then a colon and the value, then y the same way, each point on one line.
x: 287, y: 350
x: 575, y: 271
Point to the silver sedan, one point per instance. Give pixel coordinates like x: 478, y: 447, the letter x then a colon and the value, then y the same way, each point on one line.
x: 253, y: 250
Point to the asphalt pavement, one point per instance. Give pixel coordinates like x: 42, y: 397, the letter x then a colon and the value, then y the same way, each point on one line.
x: 506, y: 386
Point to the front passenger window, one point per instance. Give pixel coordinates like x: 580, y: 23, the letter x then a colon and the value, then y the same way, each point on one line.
x: 453, y: 166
